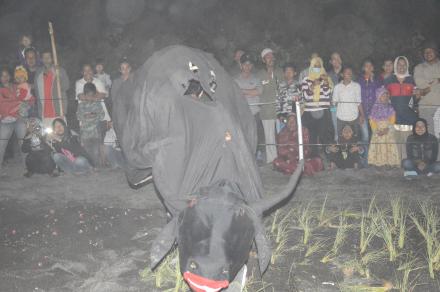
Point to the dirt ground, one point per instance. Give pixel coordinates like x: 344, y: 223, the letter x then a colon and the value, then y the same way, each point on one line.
x: 92, y: 232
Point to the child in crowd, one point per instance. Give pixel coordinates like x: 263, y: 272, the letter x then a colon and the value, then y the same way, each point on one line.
x: 102, y: 75
x: 383, y: 149
x: 387, y: 69
x: 347, y: 153
x: 90, y: 113
x: 23, y: 92
x: 288, y: 94
x: 39, y: 159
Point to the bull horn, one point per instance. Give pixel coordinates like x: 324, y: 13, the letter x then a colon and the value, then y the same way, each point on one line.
x: 267, y: 203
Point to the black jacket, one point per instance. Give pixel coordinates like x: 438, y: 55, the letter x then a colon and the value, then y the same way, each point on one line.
x: 422, y: 148
x: 71, y: 143
x: 39, y: 158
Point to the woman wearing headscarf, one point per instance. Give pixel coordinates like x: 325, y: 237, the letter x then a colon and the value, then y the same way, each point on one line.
x: 422, y: 150
x: 383, y: 149
x: 401, y: 87
x: 69, y: 155
x: 347, y: 154
x: 316, y: 89
x: 288, y: 152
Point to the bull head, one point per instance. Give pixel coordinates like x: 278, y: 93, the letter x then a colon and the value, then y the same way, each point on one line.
x: 214, y: 234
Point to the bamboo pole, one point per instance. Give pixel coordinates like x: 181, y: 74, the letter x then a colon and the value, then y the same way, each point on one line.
x: 57, y: 70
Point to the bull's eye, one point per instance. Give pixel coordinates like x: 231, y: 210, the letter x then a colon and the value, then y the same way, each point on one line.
x: 193, y: 265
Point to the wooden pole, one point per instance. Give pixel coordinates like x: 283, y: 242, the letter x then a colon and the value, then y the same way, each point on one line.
x: 57, y: 70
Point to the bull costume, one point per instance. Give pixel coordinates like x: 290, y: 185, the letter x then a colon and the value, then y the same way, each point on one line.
x: 183, y: 122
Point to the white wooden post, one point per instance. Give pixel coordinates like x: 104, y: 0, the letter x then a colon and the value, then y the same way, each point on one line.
x: 300, y: 133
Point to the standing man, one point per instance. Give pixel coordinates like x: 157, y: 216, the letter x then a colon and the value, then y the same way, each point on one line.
x: 251, y: 90
x: 335, y: 74
x: 270, y: 78
x: 347, y: 97
x: 126, y: 79
x: 427, y: 78
x: 101, y: 94
x: 126, y: 75
x: 32, y: 68
x: 31, y: 64
x: 369, y: 84
x: 49, y: 103
x: 88, y: 77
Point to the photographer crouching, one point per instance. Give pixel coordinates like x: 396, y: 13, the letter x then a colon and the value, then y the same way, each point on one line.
x: 39, y: 153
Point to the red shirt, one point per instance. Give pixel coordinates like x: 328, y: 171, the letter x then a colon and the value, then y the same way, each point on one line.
x: 9, y: 103
x: 49, y: 109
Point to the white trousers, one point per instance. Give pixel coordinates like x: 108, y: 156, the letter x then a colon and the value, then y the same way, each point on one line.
x: 269, y: 135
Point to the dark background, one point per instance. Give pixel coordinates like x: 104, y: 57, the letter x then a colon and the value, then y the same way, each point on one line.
x: 86, y: 29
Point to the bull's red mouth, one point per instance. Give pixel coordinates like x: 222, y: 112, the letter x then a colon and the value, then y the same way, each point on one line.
x: 201, y: 284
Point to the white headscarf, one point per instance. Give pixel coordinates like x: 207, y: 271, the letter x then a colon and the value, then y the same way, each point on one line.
x: 407, y: 67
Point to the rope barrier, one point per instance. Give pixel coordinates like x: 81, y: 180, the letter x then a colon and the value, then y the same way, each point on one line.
x: 302, y: 144
x: 345, y: 102
x: 251, y: 104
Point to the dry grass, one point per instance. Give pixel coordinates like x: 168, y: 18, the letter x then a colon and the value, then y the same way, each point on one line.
x: 390, y: 224
x: 403, y: 283
x: 427, y: 226
x: 167, y: 275
x: 340, y: 237
x: 305, y: 222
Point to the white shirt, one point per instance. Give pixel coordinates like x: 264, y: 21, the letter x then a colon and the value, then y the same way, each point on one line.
x: 348, y: 98
x: 105, y: 78
x: 100, y: 87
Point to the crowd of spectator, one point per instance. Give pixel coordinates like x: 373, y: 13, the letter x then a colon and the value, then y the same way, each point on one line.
x: 348, y: 120
x: 375, y: 119
x: 33, y: 108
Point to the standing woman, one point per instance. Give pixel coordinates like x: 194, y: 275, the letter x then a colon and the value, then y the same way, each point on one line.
x: 383, y: 149
x: 316, y: 91
x: 10, y: 119
x: 401, y: 87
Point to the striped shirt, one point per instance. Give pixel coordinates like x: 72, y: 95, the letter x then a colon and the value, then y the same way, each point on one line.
x: 307, y: 96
